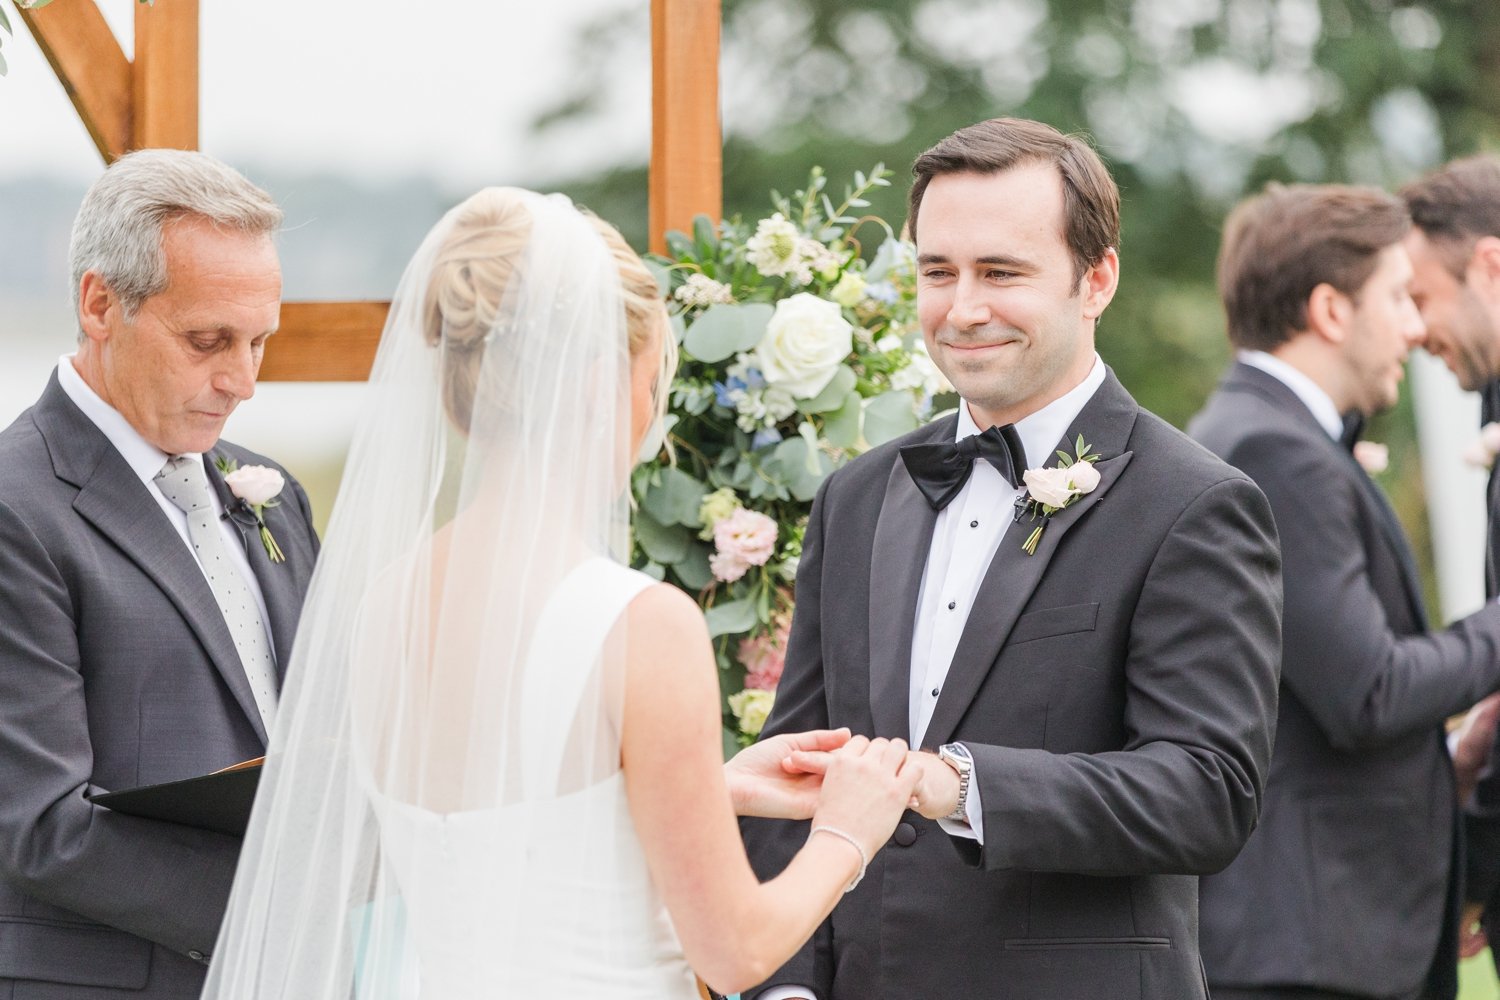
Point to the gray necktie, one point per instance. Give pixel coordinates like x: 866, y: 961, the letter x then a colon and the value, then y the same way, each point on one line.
x: 184, y: 482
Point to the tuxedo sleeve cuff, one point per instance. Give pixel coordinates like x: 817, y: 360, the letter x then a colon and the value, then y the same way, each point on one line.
x: 974, y: 811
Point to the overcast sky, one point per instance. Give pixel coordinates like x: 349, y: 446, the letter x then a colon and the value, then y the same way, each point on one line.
x: 368, y: 88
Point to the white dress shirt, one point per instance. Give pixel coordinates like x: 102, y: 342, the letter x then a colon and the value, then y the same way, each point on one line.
x: 146, y: 460
x: 966, y: 536
x: 1318, y: 402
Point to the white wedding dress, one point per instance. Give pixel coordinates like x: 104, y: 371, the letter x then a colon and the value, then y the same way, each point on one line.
x: 580, y: 924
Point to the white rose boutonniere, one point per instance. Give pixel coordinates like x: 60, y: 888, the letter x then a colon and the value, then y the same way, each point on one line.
x: 806, y: 341
x: 1372, y: 456
x: 1482, y: 452
x: 1050, y: 490
x: 256, y: 487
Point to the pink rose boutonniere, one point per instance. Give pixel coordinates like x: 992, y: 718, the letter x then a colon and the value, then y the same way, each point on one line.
x: 1050, y: 490
x: 256, y: 487
x: 1482, y: 452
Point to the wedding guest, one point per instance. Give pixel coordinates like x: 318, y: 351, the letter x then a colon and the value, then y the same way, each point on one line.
x: 1097, y: 677
x: 143, y: 634
x: 1348, y: 887
x: 1455, y: 252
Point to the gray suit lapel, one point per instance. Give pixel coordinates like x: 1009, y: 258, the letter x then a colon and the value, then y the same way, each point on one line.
x: 1105, y: 423
x: 903, y: 536
x: 115, y: 501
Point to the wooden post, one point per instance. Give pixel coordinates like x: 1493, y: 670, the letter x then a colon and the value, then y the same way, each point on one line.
x: 687, y: 143
x: 165, y: 75
x: 91, y: 66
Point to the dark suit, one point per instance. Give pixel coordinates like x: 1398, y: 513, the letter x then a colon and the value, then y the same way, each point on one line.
x: 1482, y: 812
x: 1117, y: 690
x: 116, y: 670
x: 1350, y: 882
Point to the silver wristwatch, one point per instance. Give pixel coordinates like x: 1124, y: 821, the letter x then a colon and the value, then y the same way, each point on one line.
x: 957, y: 756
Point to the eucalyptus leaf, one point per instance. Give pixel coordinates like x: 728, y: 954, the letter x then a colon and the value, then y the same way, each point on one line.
x: 3, y: 68
x: 724, y: 330
x: 666, y: 544
x: 679, y: 327
x: 842, y: 427
x: 730, y: 617
x: 833, y: 394
x: 889, y: 416
x: 654, y: 571
x: 692, y: 569
x: 5, y: 21
x: 801, y: 469
x: 675, y: 499
x: 662, y: 275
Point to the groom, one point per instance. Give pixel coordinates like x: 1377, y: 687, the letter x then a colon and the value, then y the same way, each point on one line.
x: 1102, y: 706
x: 143, y: 631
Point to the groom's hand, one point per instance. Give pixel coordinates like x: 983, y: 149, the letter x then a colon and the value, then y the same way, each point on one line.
x: 936, y: 794
x: 762, y: 783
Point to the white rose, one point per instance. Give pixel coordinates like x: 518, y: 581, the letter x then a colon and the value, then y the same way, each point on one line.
x: 850, y: 291
x: 255, y: 484
x: 1372, y: 456
x: 1084, y: 477
x: 1053, y: 487
x: 804, y: 344
x: 1490, y: 435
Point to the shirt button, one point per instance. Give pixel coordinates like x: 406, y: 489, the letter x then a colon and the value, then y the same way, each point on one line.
x: 973, y: 524
x: 952, y: 605
x: 935, y: 692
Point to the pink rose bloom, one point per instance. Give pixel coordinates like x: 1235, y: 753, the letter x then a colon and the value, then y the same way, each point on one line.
x: 764, y: 656
x: 743, y: 539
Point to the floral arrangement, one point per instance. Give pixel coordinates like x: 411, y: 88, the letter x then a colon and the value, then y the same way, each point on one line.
x: 800, y: 350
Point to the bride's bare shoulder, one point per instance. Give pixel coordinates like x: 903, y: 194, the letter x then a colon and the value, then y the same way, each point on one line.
x: 662, y: 607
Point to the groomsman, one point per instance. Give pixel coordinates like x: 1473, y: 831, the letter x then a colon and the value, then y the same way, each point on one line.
x: 1455, y: 251
x: 144, y: 627
x: 1097, y: 676
x: 1349, y: 886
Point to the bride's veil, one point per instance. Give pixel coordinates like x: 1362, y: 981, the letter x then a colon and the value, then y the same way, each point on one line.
x: 491, y: 462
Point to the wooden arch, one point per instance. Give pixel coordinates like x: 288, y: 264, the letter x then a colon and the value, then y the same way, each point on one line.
x: 152, y: 101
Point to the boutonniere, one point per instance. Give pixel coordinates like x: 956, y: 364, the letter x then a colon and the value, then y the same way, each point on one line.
x: 256, y: 487
x: 1050, y: 490
x: 1483, y: 451
x: 1372, y: 456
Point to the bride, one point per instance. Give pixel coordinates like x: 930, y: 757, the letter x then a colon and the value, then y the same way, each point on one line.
x: 496, y: 770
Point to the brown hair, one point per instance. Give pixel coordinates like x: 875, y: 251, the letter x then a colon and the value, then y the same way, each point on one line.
x: 1091, y: 201
x: 1455, y: 206
x: 473, y: 269
x: 1281, y: 244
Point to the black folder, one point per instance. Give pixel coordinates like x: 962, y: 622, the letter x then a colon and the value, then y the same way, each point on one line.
x: 219, y: 801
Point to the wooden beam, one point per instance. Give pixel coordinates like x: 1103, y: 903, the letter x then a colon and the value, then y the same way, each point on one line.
x: 687, y: 143
x: 91, y: 66
x: 165, y: 75
x: 324, y: 342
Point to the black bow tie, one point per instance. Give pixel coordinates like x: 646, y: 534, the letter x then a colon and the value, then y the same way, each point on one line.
x: 941, y: 469
x: 1354, y: 426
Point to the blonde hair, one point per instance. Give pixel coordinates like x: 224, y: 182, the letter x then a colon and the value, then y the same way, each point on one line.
x: 473, y: 269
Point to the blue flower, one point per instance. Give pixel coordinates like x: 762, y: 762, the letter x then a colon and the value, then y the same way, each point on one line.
x: 728, y: 393
x: 765, y: 436
x: 882, y: 291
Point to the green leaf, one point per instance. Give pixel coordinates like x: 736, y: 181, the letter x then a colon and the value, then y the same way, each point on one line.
x: 833, y: 394
x: 675, y: 499
x: 654, y: 571
x: 841, y: 429
x: 692, y: 569
x: 801, y: 469
x: 666, y: 544
x: 679, y: 328
x: 662, y: 275
x: 5, y: 21
x: 705, y: 235
x: 888, y: 416
x: 724, y: 330
x: 3, y: 68
x: 730, y: 617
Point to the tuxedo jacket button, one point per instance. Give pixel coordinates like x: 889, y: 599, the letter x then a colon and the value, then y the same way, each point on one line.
x: 905, y: 834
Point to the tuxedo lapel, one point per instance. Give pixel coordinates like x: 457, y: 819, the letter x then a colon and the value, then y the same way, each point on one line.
x: 1105, y: 424
x: 903, y: 536
x: 1395, y: 536
x: 115, y: 501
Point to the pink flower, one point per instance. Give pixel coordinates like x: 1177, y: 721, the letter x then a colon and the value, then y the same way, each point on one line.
x: 743, y: 539
x: 764, y: 656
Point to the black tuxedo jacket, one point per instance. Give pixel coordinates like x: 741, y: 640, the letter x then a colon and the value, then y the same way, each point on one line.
x: 116, y: 670
x: 1482, y: 812
x: 1349, y: 884
x: 1117, y: 690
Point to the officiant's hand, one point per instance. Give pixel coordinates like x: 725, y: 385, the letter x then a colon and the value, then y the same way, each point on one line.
x: 761, y: 783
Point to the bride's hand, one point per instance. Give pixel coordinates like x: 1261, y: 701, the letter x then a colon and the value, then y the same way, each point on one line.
x: 762, y: 784
x: 866, y: 787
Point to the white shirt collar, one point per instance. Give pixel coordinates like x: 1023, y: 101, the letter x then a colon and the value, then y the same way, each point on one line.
x: 143, y: 457
x: 1040, y: 431
x: 1318, y: 402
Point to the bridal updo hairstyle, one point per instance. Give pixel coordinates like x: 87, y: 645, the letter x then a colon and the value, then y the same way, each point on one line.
x: 474, y: 268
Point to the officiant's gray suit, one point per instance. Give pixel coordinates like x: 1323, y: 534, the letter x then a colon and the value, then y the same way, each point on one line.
x: 1117, y: 691
x: 116, y: 670
x: 1350, y: 884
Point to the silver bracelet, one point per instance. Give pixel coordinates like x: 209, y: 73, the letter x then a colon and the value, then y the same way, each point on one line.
x: 864, y: 859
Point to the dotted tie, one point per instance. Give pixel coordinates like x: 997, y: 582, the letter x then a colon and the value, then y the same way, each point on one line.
x: 183, y: 481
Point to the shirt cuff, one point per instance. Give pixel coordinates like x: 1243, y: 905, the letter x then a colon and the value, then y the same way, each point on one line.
x: 973, y: 811
x: 788, y: 993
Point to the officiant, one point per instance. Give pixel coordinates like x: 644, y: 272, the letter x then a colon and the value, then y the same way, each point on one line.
x: 148, y: 595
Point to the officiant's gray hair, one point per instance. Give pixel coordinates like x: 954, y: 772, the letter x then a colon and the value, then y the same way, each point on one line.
x: 118, y: 231
x: 1091, y: 201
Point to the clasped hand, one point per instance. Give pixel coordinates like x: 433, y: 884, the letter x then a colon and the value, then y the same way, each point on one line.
x: 781, y: 777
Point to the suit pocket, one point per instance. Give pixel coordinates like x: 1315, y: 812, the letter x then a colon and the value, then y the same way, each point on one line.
x: 1088, y: 944
x: 1054, y: 621
x: 75, y: 954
